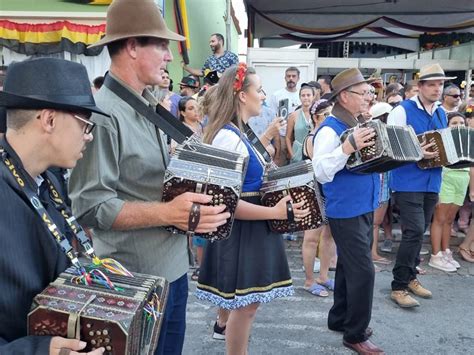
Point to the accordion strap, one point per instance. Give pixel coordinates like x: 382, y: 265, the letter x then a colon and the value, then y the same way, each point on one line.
x: 161, y: 118
x: 194, y: 217
x: 257, y: 144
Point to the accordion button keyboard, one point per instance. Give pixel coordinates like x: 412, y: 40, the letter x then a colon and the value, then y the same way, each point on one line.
x: 91, y: 333
x: 93, y: 342
x: 105, y: 332
x: 98, y: 332
x: 88, y: 325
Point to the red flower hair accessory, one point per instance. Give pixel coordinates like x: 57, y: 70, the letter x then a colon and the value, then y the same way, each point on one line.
x: 240, y: 77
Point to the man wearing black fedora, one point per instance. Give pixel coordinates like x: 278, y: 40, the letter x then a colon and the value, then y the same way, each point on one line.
x: 46, y: 104
x: 117, y: 188
x: 416, y: 190
x: 351, y: 199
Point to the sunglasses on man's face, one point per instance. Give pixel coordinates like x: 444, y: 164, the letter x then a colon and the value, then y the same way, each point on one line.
x: 455, y: 96
x: 394, y: 104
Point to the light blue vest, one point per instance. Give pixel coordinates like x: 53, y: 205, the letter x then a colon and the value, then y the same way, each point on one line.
x: 349, y: 194
x: 410, y: 178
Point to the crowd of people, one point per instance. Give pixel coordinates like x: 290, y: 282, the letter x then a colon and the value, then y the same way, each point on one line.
x: 57, y: 128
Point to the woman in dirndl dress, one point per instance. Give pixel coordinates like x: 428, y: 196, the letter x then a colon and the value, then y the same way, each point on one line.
x: 250, y: 267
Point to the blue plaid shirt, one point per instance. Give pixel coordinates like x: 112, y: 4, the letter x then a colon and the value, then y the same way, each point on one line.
x: 222, y: 63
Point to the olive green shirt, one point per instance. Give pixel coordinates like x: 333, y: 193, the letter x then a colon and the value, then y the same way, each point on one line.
x: 125, y: 162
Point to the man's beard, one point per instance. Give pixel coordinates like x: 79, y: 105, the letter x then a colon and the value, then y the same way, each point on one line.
x: 290, y: 84
x: 215, y: 48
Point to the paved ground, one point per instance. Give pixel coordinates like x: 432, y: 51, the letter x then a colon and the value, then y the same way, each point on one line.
x: 297, y: 325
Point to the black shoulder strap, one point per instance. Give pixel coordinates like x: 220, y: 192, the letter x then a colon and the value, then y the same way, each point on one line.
x: 256, y: 143
x: 161, y: 118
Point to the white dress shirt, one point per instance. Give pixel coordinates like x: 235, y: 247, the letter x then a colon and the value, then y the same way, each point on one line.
x: 398, y: 116
x: 328, y: 157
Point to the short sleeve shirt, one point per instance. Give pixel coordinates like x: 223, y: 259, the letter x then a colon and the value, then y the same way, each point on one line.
x: 221, y: 63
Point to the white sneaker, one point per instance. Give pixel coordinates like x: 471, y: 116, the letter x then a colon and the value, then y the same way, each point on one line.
x: 440, y: 262
x: 448, y: 254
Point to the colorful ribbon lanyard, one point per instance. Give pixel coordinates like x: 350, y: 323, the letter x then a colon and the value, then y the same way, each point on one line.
x: 38, y: 207
x: 94, y: 275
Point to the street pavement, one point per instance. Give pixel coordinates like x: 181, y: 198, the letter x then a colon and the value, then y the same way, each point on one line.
x: 297, y: 325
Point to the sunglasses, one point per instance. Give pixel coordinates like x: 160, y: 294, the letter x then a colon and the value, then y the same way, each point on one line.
x: 455, y: 96
x: 394, y: 104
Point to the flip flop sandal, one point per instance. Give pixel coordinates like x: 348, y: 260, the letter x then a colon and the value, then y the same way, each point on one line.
x: 420, y: 270
x: 329, y: 284
x: 317, y: 290
x: 195, y: 275
x: 466, y: 254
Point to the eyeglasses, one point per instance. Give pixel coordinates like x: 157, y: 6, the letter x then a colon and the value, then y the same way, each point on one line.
x: 89, y: 127
x: 394, y: 104
x: 365, y: 93
x: 455, y: 96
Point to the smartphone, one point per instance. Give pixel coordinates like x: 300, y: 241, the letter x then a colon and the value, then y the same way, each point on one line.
x: 283, y: 113
x: 283, y: 108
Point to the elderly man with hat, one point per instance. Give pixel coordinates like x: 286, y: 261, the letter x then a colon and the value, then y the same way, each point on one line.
x: 117, y: 188
x: 47, y: 103
x: 416, y: 190
x: 350, y: 203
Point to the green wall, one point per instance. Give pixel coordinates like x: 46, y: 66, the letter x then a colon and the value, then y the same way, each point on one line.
x: 49, y: 5
x: 205, y: 17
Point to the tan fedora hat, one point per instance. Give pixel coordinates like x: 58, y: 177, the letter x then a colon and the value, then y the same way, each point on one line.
x: 345, y: 79
x: 137, y: 18
x: 433, y: 72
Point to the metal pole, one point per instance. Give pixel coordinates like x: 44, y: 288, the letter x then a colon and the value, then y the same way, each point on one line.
x: 467, y: 88
x: 228, y: 22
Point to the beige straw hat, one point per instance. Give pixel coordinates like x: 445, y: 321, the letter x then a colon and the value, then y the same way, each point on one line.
x: 433, y: 72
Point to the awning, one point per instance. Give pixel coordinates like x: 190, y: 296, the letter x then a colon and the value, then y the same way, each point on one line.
x: 314, y: 21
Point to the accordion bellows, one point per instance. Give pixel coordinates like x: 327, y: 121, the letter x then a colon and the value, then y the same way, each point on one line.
x: 455, y: 146
x: 297, y: 180
x: 394, y: 146
x: 115, y: 320
x: 202, y: 168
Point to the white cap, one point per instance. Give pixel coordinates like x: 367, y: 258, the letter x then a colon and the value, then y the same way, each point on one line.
x: 379, y: 109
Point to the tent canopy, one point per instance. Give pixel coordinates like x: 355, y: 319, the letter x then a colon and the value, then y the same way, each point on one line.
x: 401, y: 21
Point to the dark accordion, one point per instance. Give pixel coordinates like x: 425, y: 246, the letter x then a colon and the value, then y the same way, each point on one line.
x: 202, y: 168
x: 115, y: 320
x: 297, y: 180
x: 393, y: 146
x: 455, y: 146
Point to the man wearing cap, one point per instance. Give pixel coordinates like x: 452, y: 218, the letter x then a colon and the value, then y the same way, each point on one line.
x: 117, y: 188
x: 416, y: 190
x: 350, y: 202
x: 220, y: 59
x: 188, y: 86
x: 47, y: 104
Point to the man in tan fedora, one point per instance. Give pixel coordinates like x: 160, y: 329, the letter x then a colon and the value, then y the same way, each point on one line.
x: 350, y: 202
x: 117, y: 187
x: 416, y: 190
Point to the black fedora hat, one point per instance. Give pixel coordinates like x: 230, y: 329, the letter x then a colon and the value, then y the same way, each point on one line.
x: 48, y: 83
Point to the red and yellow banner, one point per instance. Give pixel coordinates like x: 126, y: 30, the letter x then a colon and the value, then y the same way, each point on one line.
x: 49, y: 38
